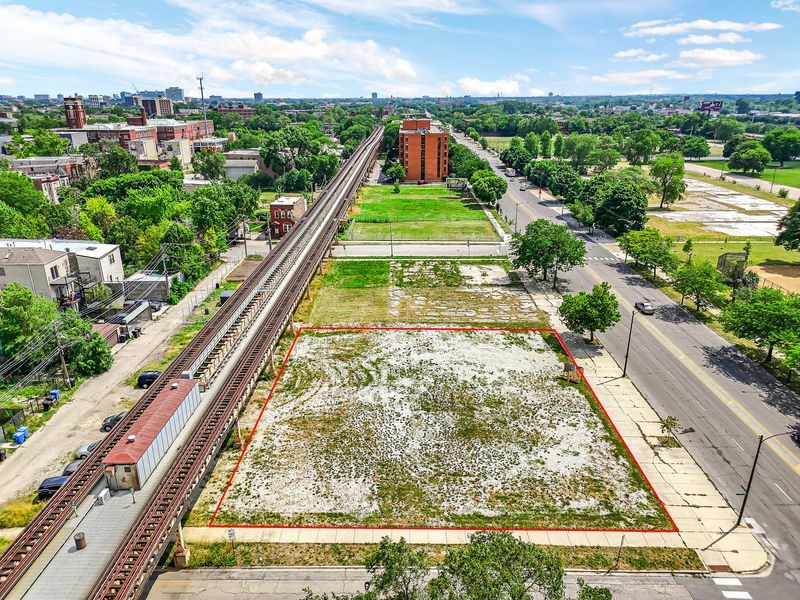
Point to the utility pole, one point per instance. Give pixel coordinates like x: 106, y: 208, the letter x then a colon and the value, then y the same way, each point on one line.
x: 269, y: 233
x: 391, y: 241
x: 61, y: 354
x: 628, y: 348
x: 166, y: 273
x: 761, y: 440
x: 203, y: 102
x: 244, y: 233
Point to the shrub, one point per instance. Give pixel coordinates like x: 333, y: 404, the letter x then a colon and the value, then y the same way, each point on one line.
x: 783, y: 193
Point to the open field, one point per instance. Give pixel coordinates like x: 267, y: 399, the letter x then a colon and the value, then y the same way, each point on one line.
x: 498, y: 142
x: 789, y: 174
x: 760, y: 254
x: 418, y: 213
x: 435, y: 428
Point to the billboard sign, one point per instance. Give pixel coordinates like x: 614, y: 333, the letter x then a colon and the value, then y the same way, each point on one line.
x: 711, y: 105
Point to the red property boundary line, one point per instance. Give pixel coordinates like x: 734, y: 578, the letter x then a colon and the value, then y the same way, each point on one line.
x: 211, y: 523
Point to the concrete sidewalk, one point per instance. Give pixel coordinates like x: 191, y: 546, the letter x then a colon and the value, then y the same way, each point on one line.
x: 77, y: 422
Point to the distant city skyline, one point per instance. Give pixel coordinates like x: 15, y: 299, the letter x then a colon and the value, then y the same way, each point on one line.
x: 343, y: 48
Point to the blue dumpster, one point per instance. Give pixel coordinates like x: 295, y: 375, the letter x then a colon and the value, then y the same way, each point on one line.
x: 21, y: 434
x: 55, y: 396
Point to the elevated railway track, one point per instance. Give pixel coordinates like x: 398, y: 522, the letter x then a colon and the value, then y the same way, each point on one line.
x: 278, y: 284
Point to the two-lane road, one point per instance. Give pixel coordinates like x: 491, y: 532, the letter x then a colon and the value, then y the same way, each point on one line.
x: 722, y: 399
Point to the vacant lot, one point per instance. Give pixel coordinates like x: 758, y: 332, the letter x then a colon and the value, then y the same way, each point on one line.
x: 418, y: 213
x: 357, y: 292
x: 498, y: 142
x: 434, y: 428
x: 760, y: 254
x: 789, y: 174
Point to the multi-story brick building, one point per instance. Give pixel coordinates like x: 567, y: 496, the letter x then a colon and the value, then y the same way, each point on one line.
x: 74, y: 112
x: 156, y: 107
x: 423, y: 150
x: 247, y: 112
x: 284, y: 212
x: 170, y: 129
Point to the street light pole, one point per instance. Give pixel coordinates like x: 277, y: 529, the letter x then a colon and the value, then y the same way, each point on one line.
x: 516, y: 216
x: 774, y: 172
x: 628, y: 348
x: 761, y: 440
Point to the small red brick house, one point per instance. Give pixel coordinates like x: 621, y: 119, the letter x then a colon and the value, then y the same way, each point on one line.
x: 284, y: 212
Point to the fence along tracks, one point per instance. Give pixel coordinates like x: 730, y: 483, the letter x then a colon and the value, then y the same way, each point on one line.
x: 148, y: 537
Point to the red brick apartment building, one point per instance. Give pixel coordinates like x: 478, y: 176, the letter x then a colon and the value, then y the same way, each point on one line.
x: 423, y: 150
x: 284, y: 212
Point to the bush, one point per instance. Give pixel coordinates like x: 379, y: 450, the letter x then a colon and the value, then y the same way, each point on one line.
x: 783, y: 193
x: 178, y: 290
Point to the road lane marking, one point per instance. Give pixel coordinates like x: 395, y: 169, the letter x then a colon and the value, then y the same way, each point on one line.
x: 780, y: 489
x: 729, y: 581
x: 738, y: 444
x: 736, y: 595
x: 741, y: 413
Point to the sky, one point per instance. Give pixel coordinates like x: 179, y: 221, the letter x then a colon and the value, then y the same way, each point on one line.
x: 350, y: 48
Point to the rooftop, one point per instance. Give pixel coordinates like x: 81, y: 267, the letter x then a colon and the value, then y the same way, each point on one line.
x: 28, y: 256
x: 78, y: 247
x: 285, y: 200
x: 150, y: 423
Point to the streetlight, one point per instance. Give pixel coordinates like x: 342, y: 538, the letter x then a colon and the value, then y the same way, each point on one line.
x: 516, y: 215
x: 761, y: 440
x: 774, y: 172
x: 628, y: 348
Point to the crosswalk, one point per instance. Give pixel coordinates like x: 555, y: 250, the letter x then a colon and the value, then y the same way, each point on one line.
x: 603, y: 258
x: 731, y: 594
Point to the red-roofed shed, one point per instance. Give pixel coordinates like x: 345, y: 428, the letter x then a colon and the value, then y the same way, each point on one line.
x: 133, y: 459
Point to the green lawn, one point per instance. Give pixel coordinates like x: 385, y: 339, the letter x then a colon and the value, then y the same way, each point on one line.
x: 761, y: 253
x: 498, y: 142
x: 788, y: 175
x: 419, y: 213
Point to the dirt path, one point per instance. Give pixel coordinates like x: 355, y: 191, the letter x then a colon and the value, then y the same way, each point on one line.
x: 78, y: 422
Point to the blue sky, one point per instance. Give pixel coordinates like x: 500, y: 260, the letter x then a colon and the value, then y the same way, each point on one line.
x: 334, y: 48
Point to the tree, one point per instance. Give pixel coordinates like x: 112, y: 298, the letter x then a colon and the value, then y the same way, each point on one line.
x: 546, y: 144
x: 398, y: 570
x: 210, y: 164
x: 498, y: 565
x: 725, y: 129
x: 621, y: 207
x: 175, y: 164
x: 731, y: 144
x: 791, y: 356
x: 516, y: 156
x: 700, y: 280
x: 604, y: 158
x: 743, y: 106
x: 396, y: 172
x: 694, y: 146
x: 649, y: 248
x: 546, y: 247
x: 640, y: 146
x: 783, y: 143
x: 296, y: 180
x: 532, y: 144
x: 23, y: 316
x: 688, y: 249
x: 739, y: 278
x: 17, y: 192
x: 595, y: 311
x: 488, y: 186
x: 667, y: 171
x: 578, y: 148
x: 116, y: 161
x: 789, y: 229
x: 765, y: 316
x: 44, y: 143
x: 749, y: 156
x: 97, y: 293
x: 558, y: 147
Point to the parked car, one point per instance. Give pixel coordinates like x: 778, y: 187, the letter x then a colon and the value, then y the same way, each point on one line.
x: 147, y: 378
x: 72, y: 467
x: 109, y: 422
x: 50, y: 486
x: 86, y: 449
x: 645, y: 308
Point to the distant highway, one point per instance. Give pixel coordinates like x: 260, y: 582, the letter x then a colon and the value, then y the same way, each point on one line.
x: 722, y: 399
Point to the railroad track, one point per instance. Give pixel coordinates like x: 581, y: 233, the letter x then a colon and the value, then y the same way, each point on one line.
x: 149, y: 536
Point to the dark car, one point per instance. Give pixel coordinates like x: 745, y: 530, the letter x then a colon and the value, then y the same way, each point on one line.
x: 72, y: 467
x: 147, y: 378
x: 109, y: 422
x: 645, y: 308
x: 50, y: 486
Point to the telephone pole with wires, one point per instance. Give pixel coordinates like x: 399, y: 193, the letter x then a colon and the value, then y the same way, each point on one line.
x: 60, y: 349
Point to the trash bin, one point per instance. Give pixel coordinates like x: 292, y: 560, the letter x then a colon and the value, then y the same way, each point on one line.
x: 47, y: 405
x: 55, y: 396
x: 19, y: 437
x: 2, y: 454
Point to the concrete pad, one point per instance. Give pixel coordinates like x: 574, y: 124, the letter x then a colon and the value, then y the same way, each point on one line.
x: 558, y: 538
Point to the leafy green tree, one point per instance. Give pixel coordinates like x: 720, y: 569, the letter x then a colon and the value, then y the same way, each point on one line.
x: 97, y: 293
x: 694, y: 146
x: 791, y: 356
x: 578, y: 148
x: 44, y: 143
x: 396, y: 172
x: 688, y: 249
x: 296, y: 180
x: 667, y: 171
x: 175, y: 164
x: 116, y: 161
x: 749, y: 156
x: 17, y: 192
x: 532, y: 144
x: 463, y: 161
x: 398, y: 570
x: 497, y: 565
x: 765, y: 315
x: 23, y: 315
x: 116, y: 189
x: 743, y: 106
x: 731, y: 145
x: 558, y: 146
x: 546, y: 144
x: 782, y: 143
x: 547, y: 247
x: 739, y: 278
x: 488, y: 186
x: 668, y: 141
x: 516, y: 156
x: 621, y: 207
x: 125, y: 232
x: 650, y: 248
x: 640, y: 146
x: 101, y: 213
x: 604, y: 158
x: 149, y: 205
x: 725, y: 129
x: 789, y: 229
x: 701, y: 280
x: 583, y: 213
x: 210, y: 164
x: 595, y: 311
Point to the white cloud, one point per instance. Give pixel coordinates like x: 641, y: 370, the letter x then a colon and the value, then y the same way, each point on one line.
x: 704, y: 58
x: 227, y: 49
x: 637, y: 55
x: 638, y: 77
x: 536, y: 92
x: 507, y: 86
x: 647, y: 28
x: 784, y: 5
x: 729, y: 37
x: 6, y: 81
x: 557, y: 13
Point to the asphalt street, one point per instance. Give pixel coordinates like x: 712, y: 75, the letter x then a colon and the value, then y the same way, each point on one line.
x: 722, y: 399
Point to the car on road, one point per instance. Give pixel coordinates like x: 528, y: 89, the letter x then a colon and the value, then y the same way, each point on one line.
x: 645, y: 307
x: 86, y: 449
x: 72, y: 467
x: 109, y: 422
x: 523, y: 187
x: 50, y: 486
x: 147, y: 378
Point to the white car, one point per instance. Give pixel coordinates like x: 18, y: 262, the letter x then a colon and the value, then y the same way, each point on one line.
x: 86, y: 449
